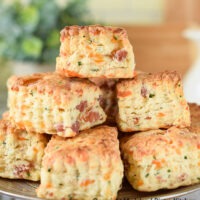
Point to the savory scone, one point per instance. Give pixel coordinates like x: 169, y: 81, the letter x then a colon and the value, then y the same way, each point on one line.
x: 50, y: 103
x: 21, y: 152
x: 95, y: 51
x: 109, y: 101
x: 160, y: 159
x: 195, y: 115
x: 152, y: 101
x: 85, y: 167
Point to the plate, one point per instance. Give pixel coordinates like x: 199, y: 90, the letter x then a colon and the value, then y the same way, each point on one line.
x: 26, y: 190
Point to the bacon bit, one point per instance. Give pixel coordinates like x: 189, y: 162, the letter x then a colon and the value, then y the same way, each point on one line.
x: 62, y: 53
x: 91, y: 117
x: 148, y: 118
x: 68, y: 85
x: 182, y: 177
x: 124, y: 93
x: 81, y: 107
x: 86, y: 183
x: 72, y: 73
x: 73, y: 31
x: 95, y: 31
x: 102, y: 101
x: 59, y: 127
x: 20, y: 169
x: 155, y: 84
x: 119, y: 55
x: 69, y: 160
x: 15, y: 88
x: 118, y: 30
x: 198, y: 146
x: 136, y: 120
x: 161, y: 114
x: 75, y: 127
x: 140, y: 183
x: 144, y: 91
x: 83, y: 155
x: 79, y: 91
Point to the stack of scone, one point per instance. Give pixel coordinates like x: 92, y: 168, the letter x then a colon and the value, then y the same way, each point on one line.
x: 94, y: 89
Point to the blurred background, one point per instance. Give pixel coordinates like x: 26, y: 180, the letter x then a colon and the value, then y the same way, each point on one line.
x: 29, y: 34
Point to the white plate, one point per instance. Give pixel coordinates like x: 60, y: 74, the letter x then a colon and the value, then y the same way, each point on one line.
x: 26, y: 190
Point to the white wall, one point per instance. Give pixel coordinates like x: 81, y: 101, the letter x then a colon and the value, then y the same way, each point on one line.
x: 127, y: 11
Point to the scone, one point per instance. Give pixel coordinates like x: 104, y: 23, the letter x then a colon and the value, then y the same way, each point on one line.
x: 152, y: 101
x: 50, y: 103
x: 95, y: 51
x: 21, y: 152
x: 85, y: 167
x: 195, y: 115
x: 160, y: 159
x: 109, y: 102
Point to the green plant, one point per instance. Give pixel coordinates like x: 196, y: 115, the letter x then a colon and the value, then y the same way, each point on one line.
x: 31, y: 31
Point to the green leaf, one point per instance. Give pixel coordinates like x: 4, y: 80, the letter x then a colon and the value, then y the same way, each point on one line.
x: 28, y: 18
x: 53, y: 39
x: 32, y: 46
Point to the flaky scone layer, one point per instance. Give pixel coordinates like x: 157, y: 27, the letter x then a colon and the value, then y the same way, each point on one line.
x: 85, y: 167
x: 160, y: 159
x: 95, y: 51
x: 21, y: 152
x: 50, y: 103
x: 152, y: 101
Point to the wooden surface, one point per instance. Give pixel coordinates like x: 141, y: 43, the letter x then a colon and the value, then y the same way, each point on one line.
x: 161, y: 47
x: 182, y: 11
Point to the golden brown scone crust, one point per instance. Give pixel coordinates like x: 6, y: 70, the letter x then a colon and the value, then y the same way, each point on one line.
x: 160, y: 159
x: 20, y: 152
x: 152, y: 101
x: 85, y: 167
x: 95, y: 51
x: 50, y: 103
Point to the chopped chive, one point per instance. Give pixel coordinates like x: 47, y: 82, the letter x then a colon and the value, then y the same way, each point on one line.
x: 31, y: 93
x: 95, y: 70
x: 4, y: 142
x: 185, y: 157
x: 115, y: 37
x: 146, y: 175
x: 28, y: 174
x: 60, y: 184
x: 79, y: 63
x: 49, y: 170
x: 151, y: 95
x: 169, y: 170
x: 198, y: 178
